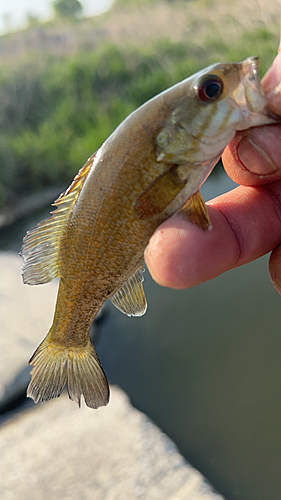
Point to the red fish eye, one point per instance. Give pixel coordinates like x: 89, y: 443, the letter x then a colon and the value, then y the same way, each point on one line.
x: 210, y: 89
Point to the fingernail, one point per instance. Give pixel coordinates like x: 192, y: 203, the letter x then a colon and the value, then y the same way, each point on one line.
x: 255, y: 154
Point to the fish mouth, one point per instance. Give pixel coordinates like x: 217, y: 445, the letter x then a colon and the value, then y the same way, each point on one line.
x: 255, y: 98
x: 250, y: 71
x: 250, y: 96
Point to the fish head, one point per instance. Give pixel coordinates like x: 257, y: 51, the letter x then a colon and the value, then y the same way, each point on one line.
x: 214, y: 103
x: 242, y: 86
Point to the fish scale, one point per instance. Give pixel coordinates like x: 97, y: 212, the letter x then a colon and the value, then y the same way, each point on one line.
x: 152, y: 166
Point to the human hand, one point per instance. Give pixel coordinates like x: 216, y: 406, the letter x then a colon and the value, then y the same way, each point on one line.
x: 246, y: 221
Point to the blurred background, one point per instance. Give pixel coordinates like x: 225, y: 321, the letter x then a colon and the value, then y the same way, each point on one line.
x: 204, y: 363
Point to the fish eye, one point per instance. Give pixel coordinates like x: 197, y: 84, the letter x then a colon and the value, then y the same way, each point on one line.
x: 210, y: 88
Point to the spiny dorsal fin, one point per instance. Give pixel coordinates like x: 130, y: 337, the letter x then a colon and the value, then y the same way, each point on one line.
x: 195, y: 211
x: 161, y: 192
x: 41, y: 245
x: 130, y: 298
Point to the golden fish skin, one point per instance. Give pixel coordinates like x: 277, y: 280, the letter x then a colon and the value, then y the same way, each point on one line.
x: 150, y: 167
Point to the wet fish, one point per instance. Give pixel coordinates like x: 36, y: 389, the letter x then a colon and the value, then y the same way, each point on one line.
x: 149, y: 168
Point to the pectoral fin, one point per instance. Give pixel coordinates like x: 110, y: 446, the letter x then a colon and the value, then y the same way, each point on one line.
x: 159, y: 194
x: 195, y: 211
x: 41, y: 245
x: 130, y: 298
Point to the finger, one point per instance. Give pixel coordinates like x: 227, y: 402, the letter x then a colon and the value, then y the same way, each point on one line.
x: 275, y: 268
x: 254, y: 156
x: 273, y: 76
x: 246, y: 224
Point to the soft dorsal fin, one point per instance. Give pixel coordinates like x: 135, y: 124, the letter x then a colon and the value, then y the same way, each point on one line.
x: 41, y: 245
x: 159, y: 194
x: 130, y: 298
x: 195, y: 211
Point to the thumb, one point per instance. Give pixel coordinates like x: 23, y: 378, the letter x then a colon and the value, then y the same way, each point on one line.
x: 254, y: 156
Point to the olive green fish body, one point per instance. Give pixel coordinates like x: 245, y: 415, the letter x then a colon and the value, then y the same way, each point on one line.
x: 150, y: 167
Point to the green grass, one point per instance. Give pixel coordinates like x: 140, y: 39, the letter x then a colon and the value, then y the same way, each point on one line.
x: 55, y: 114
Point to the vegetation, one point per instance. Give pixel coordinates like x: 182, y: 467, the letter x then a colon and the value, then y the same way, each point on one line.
x: 55, y: 114
x: 67, y: 8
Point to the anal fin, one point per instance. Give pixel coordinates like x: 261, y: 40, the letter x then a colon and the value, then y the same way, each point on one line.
x: 195, y: 211
x: 130, y: 298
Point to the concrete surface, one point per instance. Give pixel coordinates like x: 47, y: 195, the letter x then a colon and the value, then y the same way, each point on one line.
x: 57, y: 451
x: 25, y: 317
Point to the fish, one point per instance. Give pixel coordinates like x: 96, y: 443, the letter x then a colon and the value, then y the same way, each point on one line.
x: 151, y: 167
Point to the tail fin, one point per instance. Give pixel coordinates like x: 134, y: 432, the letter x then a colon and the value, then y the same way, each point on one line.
x: 77, y: 367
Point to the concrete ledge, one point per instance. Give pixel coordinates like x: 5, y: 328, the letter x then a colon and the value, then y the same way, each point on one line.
x: 57, y: 451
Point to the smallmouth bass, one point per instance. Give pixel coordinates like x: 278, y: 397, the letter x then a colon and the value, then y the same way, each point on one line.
x: 152, y: 166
